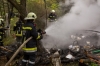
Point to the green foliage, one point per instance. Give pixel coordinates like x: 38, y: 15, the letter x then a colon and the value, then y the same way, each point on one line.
x: 9, y: 39
x: 54, y: 6
x: 93, y: 64
x: 18, y: 1
x: 38, y: 7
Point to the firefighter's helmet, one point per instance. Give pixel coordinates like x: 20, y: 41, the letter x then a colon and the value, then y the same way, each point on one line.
x: 53, y: 11
x: 31, y: 15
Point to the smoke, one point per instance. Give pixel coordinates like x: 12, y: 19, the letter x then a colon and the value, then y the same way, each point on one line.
x: 83, y: 15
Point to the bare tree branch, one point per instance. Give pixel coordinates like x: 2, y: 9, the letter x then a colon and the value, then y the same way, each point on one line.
x: 20, y: 7
x: 14, y: 3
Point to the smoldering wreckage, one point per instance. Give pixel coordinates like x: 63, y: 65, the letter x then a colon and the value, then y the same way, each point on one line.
x: 85, y: 48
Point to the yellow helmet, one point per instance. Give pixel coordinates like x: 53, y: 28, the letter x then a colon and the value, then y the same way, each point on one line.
x: 31, y: 15
x: 53, y: 11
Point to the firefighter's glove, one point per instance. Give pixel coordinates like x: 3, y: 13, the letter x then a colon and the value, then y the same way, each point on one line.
x: 39, y: 31
x: 39, y: 36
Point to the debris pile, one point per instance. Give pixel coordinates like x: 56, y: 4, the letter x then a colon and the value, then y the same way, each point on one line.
x: 85, y: 48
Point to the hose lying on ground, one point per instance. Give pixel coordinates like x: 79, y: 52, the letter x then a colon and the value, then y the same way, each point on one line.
x: 17, y: 51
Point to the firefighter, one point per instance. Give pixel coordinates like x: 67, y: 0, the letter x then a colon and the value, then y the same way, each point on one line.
x: 52, y: 16
x: 1, y: 30
x: 31, y: 46
x: 18, y: 30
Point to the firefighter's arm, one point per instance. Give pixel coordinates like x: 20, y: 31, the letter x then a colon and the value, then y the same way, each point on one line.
x: 39, y: 36
x: 41, y: 32
x: 35, y: 34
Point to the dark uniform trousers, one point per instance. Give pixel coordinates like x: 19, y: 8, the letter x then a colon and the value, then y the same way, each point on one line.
x: 27, y: 56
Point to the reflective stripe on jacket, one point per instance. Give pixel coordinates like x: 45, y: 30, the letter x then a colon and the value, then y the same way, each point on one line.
x: 26, y: 28
x: 29, y: 28
x: 19, y: 34
x: 30, y: 49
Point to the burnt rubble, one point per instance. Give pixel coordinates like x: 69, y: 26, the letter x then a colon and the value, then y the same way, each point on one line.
x: 85, y: 46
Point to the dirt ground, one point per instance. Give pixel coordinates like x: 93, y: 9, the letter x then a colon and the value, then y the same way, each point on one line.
x: 3, y: 61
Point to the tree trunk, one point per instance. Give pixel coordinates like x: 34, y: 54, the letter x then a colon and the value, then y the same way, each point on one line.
x: 20, y: 7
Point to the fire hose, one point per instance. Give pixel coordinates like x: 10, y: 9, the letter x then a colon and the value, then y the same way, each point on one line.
x: 14, y: 55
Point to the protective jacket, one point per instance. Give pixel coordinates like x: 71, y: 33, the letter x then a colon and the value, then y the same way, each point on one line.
x: 52, y: 16
x: 2, y: 33
x: 1, y: 36
x: 28, y: 31
x: 1, y: 22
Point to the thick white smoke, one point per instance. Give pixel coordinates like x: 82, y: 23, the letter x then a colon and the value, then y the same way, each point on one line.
x: 84, y: 15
